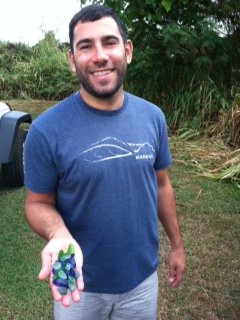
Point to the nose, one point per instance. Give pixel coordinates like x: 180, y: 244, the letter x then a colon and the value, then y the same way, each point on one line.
x: 100, y: 54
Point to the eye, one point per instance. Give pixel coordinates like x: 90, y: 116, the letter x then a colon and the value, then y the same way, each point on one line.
x: 111, y: 42
x: 84, y: 47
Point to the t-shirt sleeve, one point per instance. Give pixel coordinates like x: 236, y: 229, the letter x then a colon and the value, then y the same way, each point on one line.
x: 163, y: 158
x: 40, y: 174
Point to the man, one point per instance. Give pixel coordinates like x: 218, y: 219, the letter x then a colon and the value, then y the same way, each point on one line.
x: 96, y: 174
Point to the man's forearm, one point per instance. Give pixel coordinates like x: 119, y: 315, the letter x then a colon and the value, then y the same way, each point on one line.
x: 43, y: 217
x: 167, y: 215
x: 45, y: 220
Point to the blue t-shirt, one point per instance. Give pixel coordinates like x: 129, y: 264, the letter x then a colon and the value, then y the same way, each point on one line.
x: 102, y: 166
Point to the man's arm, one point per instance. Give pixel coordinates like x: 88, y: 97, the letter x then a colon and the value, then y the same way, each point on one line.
x: 168, y: 217
x: 45, y: 220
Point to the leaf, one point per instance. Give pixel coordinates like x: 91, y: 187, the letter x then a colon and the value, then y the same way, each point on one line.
x: 167, y: 4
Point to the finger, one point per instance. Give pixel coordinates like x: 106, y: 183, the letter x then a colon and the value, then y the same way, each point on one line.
x: 175, y: 280
x: 79, y: 264
x: 79, y: 260
x: 172, y: 282
x: 80, y: 282
x: 55, y: 294
x: 66, y: 300
x: 171, y: 276
x: 179, y: 276
x: 76, y: 296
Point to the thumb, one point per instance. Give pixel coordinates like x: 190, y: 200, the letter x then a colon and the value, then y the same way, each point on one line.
x: 46, y: 266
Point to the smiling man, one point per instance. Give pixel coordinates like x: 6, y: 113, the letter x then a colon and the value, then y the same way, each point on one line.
x: 96, y: 177
x: 100, y: 58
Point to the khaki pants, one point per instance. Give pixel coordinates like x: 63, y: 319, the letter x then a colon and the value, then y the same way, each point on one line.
x: 137, y: 304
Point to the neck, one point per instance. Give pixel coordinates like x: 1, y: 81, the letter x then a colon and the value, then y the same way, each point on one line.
x: 106, y: 104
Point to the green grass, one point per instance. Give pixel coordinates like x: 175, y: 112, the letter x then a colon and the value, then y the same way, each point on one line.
x: 21, y: 294
x: 209, y: 215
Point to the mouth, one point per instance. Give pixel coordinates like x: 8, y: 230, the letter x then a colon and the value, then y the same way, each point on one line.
x: 100, y: 73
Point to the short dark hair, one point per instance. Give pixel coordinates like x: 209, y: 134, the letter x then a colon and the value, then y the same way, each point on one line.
x: 92, y: 13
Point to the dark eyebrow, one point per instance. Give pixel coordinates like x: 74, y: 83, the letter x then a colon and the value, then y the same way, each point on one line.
x: 111, y: 37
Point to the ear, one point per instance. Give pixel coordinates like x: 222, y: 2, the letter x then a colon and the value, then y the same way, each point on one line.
x: 129, y: 51
x: 71, y: 61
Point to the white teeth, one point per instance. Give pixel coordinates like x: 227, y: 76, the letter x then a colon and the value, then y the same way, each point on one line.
x: 101, y: 73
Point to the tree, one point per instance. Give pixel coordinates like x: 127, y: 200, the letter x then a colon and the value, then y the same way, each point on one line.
x: 191, y: 20
x: 182, y: 46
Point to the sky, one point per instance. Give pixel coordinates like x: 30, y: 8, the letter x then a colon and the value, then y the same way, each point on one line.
x: 26, y: 21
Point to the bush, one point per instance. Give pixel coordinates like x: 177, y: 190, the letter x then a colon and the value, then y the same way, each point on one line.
x: 41, y: 72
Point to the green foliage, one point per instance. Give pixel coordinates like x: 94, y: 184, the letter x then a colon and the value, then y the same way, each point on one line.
x: 185, y: 61
x: 51, y: 70
x: 196, y: 105
x: 41, y: 72
x: 11, y: 56
x: 186, y: 54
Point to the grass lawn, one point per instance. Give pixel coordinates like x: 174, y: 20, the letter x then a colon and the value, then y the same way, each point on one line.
x: 209, y: 214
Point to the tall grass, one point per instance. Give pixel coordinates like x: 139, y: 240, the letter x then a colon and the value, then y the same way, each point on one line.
x: 208, y: 157
x: 195, y: 103
x: 40, y: 72
x: 51, y: 70
x: 227, y: 125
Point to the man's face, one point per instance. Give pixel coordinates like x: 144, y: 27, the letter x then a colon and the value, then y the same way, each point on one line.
x: 100, y: 57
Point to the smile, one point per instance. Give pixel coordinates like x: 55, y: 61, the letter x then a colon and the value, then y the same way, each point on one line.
x: 102, y: 72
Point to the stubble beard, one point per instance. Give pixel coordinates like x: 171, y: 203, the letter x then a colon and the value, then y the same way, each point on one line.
x: 103, y: 92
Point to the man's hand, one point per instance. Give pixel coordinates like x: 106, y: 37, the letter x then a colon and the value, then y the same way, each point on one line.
x: 49, y: 255
x: 176, y: 264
